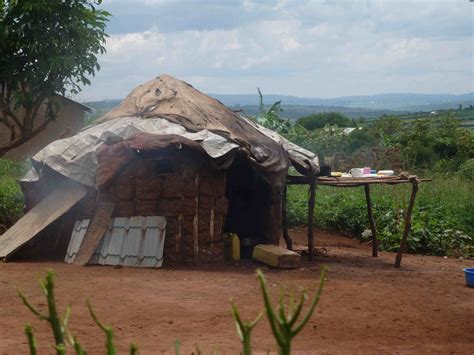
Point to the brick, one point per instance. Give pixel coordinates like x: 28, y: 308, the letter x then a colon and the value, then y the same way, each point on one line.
x: 221, y: 205
x: 124, y: 209
x: 124, y: 189
x: 148, y: 189
x: 145, y: 207
x: 172, y: 186
x: 170, y: 206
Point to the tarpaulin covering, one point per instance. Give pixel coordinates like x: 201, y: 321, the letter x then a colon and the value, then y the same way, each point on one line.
x: 167, y: 107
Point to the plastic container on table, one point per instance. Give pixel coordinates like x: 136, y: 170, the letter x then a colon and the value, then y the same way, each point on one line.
x: 356, y: 172
x: 386, y: 172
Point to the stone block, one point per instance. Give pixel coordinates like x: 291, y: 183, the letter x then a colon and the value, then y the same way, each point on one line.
x: 276, y: 256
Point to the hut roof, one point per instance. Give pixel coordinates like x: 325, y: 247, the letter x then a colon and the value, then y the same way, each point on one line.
x: 171, y: 111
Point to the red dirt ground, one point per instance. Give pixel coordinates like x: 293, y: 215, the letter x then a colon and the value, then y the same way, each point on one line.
x: 367, y: 306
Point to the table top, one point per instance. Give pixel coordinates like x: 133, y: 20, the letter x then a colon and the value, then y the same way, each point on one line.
x: 353, y: 181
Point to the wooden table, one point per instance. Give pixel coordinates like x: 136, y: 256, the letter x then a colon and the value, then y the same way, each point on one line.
x: 312, y: 182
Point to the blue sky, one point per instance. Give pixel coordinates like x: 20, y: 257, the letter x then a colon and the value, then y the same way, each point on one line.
x: 310, y: 48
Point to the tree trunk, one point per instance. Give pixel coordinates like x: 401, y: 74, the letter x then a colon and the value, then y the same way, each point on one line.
x: 28, y: 123
x: 14, y: 140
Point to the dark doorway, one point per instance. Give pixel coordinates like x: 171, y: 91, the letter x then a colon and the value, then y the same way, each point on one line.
x: 249, y: 196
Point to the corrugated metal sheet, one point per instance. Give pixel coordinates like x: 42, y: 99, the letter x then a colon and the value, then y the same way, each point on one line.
x: 134, y: 241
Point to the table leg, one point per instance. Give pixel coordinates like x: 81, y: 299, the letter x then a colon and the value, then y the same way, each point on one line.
x: 312, y: 196
x: 286, y: 235
x: 406, y: 230
x: 373, y: 228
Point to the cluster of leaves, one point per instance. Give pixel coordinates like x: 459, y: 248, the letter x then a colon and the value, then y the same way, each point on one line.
x: 284, y: 320
x: 321, y: 120
x: 270, y: 118
x: 431, y: 144
x: 48, y: 47
x: 442, y: 221
x: 466, y: 170
x: 11, y: 197
x: 323, y: 142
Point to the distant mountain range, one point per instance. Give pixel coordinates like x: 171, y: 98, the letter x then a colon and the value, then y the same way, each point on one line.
x: 398, y: 102
x: 369, y: 106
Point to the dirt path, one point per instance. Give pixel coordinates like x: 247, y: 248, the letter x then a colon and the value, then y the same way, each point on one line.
x: 367, y: 305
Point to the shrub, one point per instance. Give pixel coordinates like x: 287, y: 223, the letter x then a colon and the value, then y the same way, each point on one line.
x: 467, y: 170
x: 11, y: 201
x: 11, y: 197
x: 319, y: 120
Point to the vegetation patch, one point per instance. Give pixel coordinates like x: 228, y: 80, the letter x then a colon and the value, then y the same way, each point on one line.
x: 11, y: 197
x: 442, y: 217
x: 436, y: 147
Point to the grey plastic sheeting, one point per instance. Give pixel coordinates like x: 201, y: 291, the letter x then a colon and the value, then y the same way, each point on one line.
x: 294, y: 151
x: 76, y: 158
x: 134, y: 241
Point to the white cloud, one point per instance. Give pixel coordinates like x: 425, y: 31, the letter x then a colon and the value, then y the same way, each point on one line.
x: 308, y: 48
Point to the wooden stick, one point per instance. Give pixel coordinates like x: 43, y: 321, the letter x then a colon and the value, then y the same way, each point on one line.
x: 312, y: 193
x: 406, y: 230
x: 375, y: 243
x: 286, y: 235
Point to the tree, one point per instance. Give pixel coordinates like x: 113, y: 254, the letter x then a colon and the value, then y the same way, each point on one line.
x: 47, y: 47
x: 319, y: 120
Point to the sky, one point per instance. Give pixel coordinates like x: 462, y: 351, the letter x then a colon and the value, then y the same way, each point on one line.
x: 309, y: 48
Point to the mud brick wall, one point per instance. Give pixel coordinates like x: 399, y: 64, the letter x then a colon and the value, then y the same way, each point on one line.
x: 191, y: 197
x: 212, y: 210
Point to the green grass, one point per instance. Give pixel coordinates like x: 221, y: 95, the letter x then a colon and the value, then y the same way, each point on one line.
x: 443, y: 222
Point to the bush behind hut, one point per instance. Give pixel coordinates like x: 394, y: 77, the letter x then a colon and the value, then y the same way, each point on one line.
x: 11, y: 197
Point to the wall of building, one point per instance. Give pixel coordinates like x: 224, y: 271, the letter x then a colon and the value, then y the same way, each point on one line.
x: 185, y: 188
x: 69, y: 121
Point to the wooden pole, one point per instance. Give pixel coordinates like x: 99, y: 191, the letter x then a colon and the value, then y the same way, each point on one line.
x: 373, y: 228
x: 286, y: 235
x: 406, y: 230
x: 96, y: 230
x: 312, y: 196
x: 274, y: 230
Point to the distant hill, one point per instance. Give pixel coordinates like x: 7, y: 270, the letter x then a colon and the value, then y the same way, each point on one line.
x: 399, y: 102
x: 369, y: 106
x: 289, y: 111
x: 103, y: 106
x: 296, y: 111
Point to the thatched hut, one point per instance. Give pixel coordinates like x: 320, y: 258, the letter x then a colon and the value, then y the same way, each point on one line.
x: 167, y: 150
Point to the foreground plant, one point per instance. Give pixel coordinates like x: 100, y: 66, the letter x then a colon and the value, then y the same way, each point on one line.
x: 244, y: 329
x: 107, y: 329
x: 283, y: 318
x: 59, y: 327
